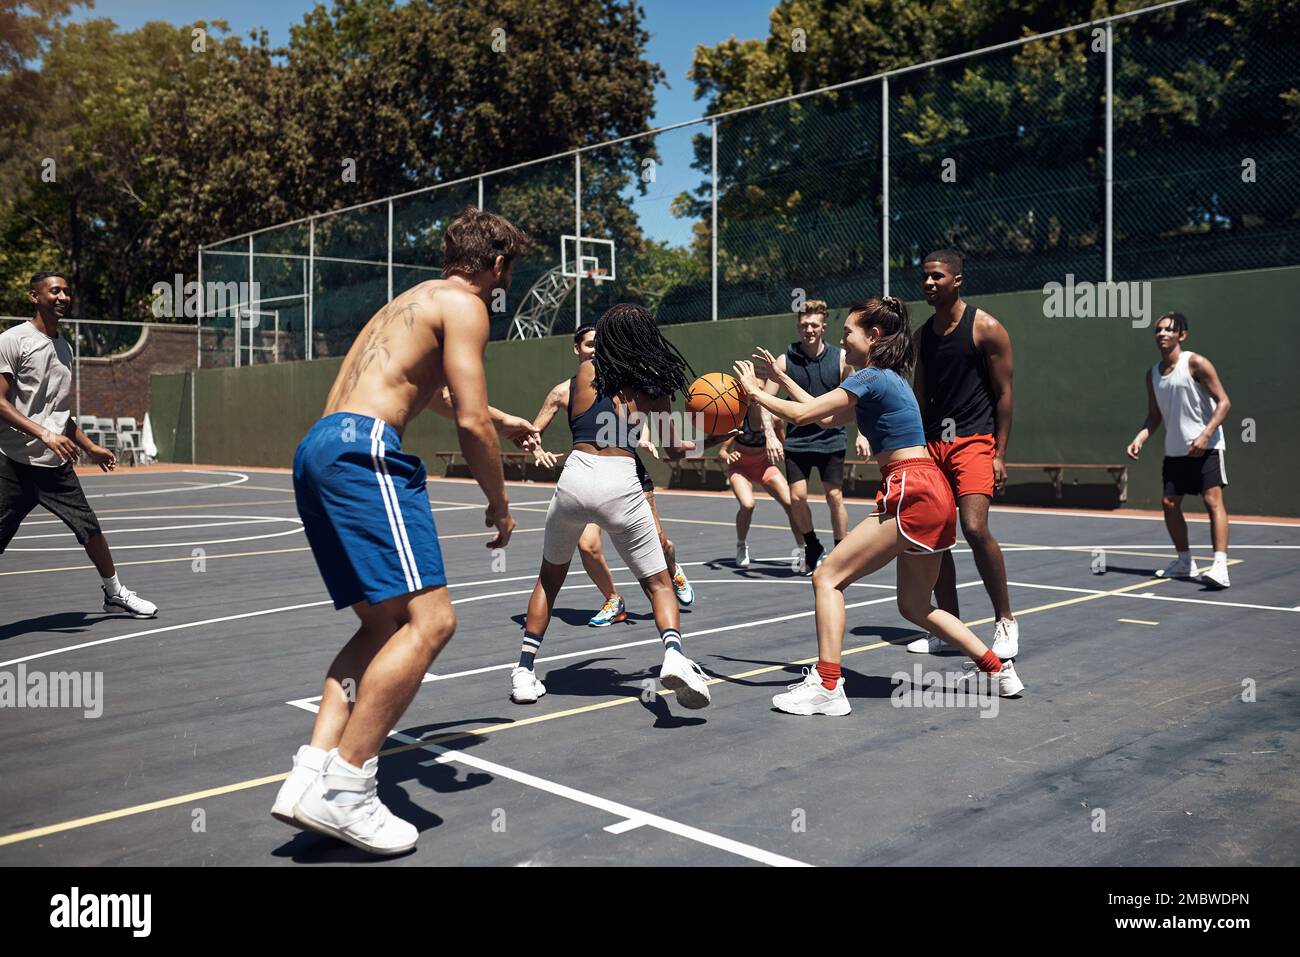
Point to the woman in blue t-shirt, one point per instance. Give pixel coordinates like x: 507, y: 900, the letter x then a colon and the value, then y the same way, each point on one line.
x: 916, y: 516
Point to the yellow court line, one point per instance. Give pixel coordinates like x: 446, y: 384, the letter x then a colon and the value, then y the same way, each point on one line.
x: 270, y: 551
x: 491, y: 729
x: 1136, y: 621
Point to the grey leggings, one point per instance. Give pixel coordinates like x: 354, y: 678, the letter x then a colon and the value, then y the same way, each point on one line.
x: 603, y: 489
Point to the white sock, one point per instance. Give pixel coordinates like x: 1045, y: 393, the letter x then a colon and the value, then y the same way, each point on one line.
x: 313, y: 758
x: 1185, y: 557
x: 111, y: 585
x: 1220, y: 558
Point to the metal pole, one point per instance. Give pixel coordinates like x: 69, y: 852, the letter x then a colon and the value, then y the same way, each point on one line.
x: 480, y: 192
x: 713, y: 222
x: 884, y: 182
x: 577, y: 231
x: 198, y: 364
x: 390, y: 250
x: 311, y: 284
x: 76, y: 365
x: 1110, y: 150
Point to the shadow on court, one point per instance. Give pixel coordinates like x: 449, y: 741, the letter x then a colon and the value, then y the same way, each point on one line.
x: 60, y: 623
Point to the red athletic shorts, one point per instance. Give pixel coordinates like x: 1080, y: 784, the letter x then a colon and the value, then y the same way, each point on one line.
x: 756, y: 468
x: 916, y: 493
x: 968, y: 462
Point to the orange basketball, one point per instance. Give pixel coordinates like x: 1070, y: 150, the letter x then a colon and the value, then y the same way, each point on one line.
x: 716, y: 397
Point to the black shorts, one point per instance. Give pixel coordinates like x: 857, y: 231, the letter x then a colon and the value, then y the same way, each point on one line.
x: 799, y: 466
x: 23, y: 487
x: 642, y: 476
x: 1193, y: 474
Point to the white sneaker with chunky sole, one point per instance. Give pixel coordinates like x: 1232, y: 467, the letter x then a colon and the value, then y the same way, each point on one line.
x: 345, y: 804
x: 307, y: 763
x: 129, y: 602
x: 1005, y: 683
x: 525, y: 686
x: 810, y: 696
x: 681, y: 675
x: 928, y: 645
x: 1178, y: 569
x: 1006, y: 638
x: 1216, y: 576
x: 742, y: 555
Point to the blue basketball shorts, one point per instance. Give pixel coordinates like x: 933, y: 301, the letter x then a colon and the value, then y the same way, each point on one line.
x: 365, y: 509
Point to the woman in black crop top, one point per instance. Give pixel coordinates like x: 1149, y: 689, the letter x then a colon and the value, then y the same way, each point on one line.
x: 635, y: 373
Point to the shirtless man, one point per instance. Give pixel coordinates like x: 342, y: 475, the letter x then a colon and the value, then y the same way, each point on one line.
x: 365, y: 510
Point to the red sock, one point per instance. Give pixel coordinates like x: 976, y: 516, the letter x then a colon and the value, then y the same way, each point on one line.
x: 829, y: 672
x: 990, y: 663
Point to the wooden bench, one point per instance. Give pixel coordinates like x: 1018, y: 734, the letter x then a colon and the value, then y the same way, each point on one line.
x: 520, y: 461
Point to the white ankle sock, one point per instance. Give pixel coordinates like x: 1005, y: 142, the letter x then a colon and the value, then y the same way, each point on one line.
x: 1220, y: 558
x: 111, y: 585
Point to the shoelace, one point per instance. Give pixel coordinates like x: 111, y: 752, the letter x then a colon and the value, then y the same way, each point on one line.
x: 808, y: 675
x: 679, y: 580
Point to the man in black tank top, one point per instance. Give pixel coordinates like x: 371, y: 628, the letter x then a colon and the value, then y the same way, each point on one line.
x: 817, y: 368
x: 963, y: 386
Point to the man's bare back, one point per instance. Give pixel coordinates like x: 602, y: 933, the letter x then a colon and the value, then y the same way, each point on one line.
x: 396, y: 366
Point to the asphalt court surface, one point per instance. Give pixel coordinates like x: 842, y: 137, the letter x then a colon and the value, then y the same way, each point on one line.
x: 1133, y: 708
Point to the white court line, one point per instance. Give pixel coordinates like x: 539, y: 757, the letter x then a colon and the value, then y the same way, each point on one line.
x: 155, y: 528
x: 184, y: 488
x: 632, y: 817
x: 1152, y: 596
x: 309, y: 704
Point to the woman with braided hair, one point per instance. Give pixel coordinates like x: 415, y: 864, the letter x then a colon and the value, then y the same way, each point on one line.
x: 635, y: 373
x: 915, y: 519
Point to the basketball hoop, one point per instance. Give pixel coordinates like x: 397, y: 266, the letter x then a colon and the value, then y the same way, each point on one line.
x: 597, y: 275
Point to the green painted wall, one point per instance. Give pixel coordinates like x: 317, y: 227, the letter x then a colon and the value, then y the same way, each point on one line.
x: 1078, y: 394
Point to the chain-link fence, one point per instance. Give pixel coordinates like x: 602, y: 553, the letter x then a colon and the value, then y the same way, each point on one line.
x: 1157, y: 143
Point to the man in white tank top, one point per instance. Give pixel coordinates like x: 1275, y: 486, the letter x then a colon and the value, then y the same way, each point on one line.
x: 1184, y: 391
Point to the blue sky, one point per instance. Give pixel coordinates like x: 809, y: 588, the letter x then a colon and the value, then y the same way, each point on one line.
x: 675, y: 26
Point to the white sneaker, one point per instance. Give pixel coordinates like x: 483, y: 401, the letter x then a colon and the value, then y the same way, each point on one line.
x: 1006, y: 638
x: 345, y: 804
x: 929, y: 645
x: 1216, y: 576
x: 129, y: 602
x: 525, y: 687
x: 811, y: 697
x: 306, y: 765
x: 1006, y: 682
x: 742, y: 555
x: 684, y: 676
x: 798, y: 564
x: 1179, y: 569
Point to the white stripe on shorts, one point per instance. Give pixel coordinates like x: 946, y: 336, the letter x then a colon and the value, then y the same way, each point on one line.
x: 391, y: 506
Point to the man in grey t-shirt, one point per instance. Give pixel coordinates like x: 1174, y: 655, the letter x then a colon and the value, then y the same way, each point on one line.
x: 39, y: 441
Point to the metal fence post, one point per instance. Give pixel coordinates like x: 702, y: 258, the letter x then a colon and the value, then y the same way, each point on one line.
x: 1110, y: 151
x: 390, y: 250
x: 713, y: 223
x: 577, y: 231
x: 311, y: 283
x: 884, y: 183
x: 480, y: 192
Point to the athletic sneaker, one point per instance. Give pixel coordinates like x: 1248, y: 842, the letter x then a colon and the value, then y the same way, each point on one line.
x: 1006, y: 638
x: 797, y: 564
x: 1006, y: 682
x: 813, y: 556
x: 684, y: 676
x: 525, y: 688
x: 928, y: 645
x: 344, y: 803
x: 612, y: 611
x: 685, y: 593
x: 742, y: 555
x: 129, y: 602
x: 1179, y: 569
x: 811, y: 697
x: 1217, y: 575
x: 307, y: 763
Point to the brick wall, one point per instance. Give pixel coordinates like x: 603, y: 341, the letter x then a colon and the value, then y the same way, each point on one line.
x: 118, y: 385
